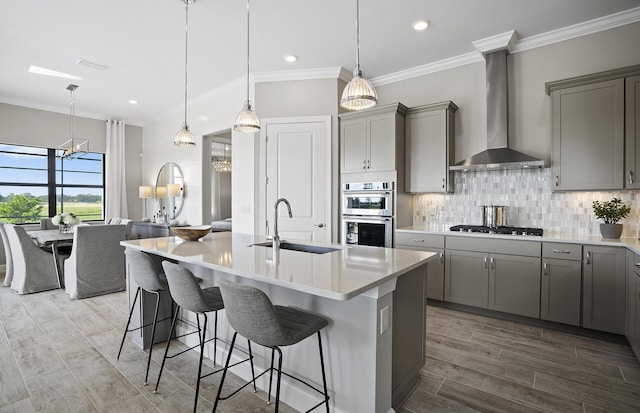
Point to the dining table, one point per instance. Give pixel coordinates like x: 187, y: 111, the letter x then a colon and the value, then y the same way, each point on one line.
x: 54, y: 239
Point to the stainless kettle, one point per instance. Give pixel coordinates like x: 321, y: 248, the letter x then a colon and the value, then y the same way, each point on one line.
x: 494, y: 216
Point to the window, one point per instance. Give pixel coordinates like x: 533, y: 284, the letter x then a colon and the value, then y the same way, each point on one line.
x: 37, y: 183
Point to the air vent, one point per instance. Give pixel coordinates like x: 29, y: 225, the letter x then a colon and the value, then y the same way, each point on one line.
x: 92, y: 65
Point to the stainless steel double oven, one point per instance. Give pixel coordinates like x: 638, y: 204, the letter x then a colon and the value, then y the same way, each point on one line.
x: 367, y: 214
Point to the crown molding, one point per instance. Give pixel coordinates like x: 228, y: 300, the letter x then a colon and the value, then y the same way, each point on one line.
x: 462, y: 60
x: 503, y: 41
x: 581, y: 29
x: 54, y: 109
x: 304, y: 74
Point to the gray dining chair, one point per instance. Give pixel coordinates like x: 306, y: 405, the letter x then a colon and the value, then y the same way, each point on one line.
x: 143, y: 272
x: 8, y: 267
x: 96, y: 264
x: 188, y: 295
x: 34, y: 269
x: 128, y: 223
x: 46, y: 223
x: 252, y: 315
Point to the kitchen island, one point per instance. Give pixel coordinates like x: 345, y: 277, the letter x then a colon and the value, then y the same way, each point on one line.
x: 373, y: 298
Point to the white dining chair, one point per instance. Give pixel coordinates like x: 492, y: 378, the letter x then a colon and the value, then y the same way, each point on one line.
x: 8, y: 267
x: 97, y: 264
x: 34, y: 269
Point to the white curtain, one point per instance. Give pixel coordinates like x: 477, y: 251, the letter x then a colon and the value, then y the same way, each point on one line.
x: 115, y: 179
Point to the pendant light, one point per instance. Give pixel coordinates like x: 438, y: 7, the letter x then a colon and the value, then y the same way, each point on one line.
x: 247, y: 121
x: 359, y: 94
x: 184, y: 137
x: 74, y: 147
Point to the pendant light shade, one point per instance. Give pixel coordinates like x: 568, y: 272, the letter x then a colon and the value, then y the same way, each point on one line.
x: 184, y: 137
x: 359, y: 94
x: 73, y: 148
x: 247, y: 121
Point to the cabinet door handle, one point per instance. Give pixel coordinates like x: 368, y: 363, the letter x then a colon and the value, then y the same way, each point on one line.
x: 485, y: 262
x: 364, y: 164
x: 638, y: 264
x: 443, y: 183
x: 441, y: 257
x: 491, y: 263
x: 320, y: 225
x: 561, y: 252
x: 588, y: 258
x: 545, y: 267
x: 557, y: 179
x: 630, y: 177
x: 368, y: 164
x: 418, y: 240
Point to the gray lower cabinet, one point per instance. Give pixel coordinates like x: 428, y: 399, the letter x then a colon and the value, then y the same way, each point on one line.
x: 514, y: 284
x: 561, y: 285
x: 497, y: 274
x: 632, y: 329
x: 604, y: 295
x: 434, y: 287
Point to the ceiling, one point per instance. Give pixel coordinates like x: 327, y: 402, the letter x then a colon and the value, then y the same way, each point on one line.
x: 142, y: 42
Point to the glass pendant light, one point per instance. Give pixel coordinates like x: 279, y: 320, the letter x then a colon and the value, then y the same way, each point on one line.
x: 74, y: 147
x: 359, y: 94
x: 184, y: 137
x: 247, y: 121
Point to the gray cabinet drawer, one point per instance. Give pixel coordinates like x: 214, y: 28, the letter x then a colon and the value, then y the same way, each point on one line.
x: 562, y: 251
x: 500, y: 246
x: 416, y: 239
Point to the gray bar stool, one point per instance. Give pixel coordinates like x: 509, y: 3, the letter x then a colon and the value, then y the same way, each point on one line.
x: 187, y: 293
x: 252, y: 315
x: 145, y: 274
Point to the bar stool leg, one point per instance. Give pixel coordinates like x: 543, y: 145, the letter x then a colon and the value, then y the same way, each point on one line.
x: 166, y: 350
x: 270, y: 376
x: 215, y: 341
x: 135, y: 298
x: 224, y: 372
x: 324, y: 376
x: 279, y: 378
x: 253, y: 373
x: 153, y: 334
x: 201, y: 336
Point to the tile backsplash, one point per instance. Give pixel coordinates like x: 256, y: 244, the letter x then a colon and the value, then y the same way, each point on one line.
x: 530, y: 203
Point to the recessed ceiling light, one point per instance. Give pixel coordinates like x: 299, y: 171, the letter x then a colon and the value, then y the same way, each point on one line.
x: 48, y: 72
x: 133, y: 101
x: 290, y: 58
x: 420, y: 25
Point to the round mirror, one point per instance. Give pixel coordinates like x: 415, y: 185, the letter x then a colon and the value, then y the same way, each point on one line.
x: 170, y: 190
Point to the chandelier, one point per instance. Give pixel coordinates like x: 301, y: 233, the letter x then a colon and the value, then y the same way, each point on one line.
x: 222, y: 165
x: 74, y: 147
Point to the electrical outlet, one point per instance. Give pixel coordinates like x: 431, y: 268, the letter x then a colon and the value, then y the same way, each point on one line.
x: 384, y: 319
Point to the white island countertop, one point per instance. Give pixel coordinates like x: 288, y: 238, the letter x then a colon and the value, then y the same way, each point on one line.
x: 340, y: 275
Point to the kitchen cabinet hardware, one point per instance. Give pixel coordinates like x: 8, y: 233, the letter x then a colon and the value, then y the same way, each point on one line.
x: 587, y: 258
x: 562, y: 251
x: 485, y: 262
x: 545, y: 268
x: 444, y: 181
x: 557, y: 178
x: 638, y: 264
x: 441, y: 255
x: 491, y: 263
x: 418, y: 240
x: 630, y: 177
x: 320, y: 225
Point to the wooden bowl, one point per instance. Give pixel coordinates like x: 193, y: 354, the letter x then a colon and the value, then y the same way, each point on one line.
x: 192, y: 233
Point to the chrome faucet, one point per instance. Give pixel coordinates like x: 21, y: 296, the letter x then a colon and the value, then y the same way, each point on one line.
x: 276, y: 237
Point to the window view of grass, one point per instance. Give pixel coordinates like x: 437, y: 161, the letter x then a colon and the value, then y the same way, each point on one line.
x: 26, y: 208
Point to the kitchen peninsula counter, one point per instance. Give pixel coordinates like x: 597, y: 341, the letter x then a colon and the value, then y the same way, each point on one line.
x: 373, y: 298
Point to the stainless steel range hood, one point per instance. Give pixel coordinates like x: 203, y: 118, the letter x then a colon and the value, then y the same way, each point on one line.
x: 498, y: 155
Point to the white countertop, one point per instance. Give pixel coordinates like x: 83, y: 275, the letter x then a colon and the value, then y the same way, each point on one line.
x: 339, y: 275
x: 631, y: 243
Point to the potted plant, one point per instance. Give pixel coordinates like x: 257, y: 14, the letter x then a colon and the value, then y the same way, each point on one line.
x: 65, y: 221
x: 611, y: 212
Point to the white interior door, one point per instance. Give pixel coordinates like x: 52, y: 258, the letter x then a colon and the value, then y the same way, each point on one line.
x: 298, y: 168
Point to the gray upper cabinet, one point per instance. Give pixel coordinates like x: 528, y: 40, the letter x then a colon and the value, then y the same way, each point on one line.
x: 588, y: 137
x: 372, y: 140
x: 603, y: 301
x: 593, y: 146
x: 632, y: 132
x: 430, y: 135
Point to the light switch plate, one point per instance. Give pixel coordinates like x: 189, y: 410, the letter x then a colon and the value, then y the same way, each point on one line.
x: 384, y: 319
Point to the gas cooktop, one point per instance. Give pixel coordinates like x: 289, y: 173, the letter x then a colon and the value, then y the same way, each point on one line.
x: 498, y: 230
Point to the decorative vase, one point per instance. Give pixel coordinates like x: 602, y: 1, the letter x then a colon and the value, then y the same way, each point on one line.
x: 611, y: 231
x: 65, y: 228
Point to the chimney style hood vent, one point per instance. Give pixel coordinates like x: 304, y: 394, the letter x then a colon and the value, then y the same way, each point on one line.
x: 498, y: 155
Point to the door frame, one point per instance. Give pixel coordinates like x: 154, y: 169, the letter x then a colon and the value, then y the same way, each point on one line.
x: 261, y: 201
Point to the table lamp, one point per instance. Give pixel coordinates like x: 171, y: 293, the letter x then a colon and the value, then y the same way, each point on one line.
x: 145, y: 192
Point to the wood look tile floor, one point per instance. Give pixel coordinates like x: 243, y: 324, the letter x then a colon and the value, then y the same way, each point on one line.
x: 58, y: 355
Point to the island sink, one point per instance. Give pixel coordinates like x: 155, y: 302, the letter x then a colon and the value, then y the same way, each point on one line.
x: 285, y: 245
